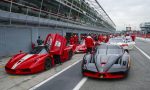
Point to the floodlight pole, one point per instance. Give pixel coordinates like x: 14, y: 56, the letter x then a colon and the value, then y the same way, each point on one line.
x: 40, y: 11
x: 10, y: 12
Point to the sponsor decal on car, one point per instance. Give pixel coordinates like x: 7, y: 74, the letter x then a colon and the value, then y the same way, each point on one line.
x: 58, y: 43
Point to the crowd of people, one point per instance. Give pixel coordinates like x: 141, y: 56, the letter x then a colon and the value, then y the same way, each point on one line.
x: 90, y: 40
x: 74, y: 39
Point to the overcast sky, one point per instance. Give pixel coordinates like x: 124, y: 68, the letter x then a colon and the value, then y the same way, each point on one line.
x: 127, y: 12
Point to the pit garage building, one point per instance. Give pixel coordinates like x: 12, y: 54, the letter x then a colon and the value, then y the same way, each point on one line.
x: 22, y: 21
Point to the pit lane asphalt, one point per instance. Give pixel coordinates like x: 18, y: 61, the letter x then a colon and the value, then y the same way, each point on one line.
x: 65, y: 81
x: 144, y: 46
x: 138, y: 77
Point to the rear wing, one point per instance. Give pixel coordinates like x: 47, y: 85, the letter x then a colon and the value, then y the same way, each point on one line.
x: 56, y: 43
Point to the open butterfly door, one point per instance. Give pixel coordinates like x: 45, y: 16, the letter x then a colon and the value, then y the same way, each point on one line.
x: 56, y: 43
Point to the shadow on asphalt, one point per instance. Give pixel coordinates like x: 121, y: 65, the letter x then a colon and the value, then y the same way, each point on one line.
x: 112, y: 80
x: 109, y: 80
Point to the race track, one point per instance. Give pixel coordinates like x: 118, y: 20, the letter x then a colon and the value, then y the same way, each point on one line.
x: 71, y: 78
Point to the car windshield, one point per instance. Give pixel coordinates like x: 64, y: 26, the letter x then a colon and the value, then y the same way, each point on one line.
x: 114, y: 51
x: 39, y: 50
x: 116, y: 41
x: 109, y: 50
x: 101, y: 51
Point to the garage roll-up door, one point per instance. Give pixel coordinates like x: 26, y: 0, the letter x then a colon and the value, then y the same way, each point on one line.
x: 12, y: 40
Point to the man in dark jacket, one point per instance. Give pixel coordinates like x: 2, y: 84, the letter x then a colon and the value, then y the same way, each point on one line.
x: 39, y: 41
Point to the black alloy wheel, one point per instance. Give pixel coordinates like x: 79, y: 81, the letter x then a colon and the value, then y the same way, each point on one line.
x: 48, y: 64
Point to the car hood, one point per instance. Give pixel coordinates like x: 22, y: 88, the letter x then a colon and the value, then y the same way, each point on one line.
x: 23, y: 61
x: 104, y: 62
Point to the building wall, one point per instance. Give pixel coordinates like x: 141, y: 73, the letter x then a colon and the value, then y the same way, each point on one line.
x: 13, y: 39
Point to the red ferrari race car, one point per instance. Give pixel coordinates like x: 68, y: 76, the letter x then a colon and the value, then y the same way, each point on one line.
x: 53, y: 51
x: 81, y: 48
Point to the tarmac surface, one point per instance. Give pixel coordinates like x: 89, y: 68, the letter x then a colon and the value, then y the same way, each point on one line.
x: 138, y: 77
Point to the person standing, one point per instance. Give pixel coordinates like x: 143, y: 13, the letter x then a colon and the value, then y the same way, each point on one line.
x: 107, y: 38
x: 76, y: 39
x: 89, y: 42
x: 100, y: 38
x: 133, y: 37
x: 72, y: 41
x: 39, y: 41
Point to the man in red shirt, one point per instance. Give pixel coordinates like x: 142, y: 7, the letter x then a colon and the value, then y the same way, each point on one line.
x: 72, y: 41
x: 133, y: 37
x: 76, y: 39
x: 100, y: 38
x: 107, y: 39
x: 89, y: 42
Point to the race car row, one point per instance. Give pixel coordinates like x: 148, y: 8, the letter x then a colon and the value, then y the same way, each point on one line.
x: 99, y: 63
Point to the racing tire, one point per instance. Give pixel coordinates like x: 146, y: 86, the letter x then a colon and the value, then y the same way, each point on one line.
x: 126, y: 74
x: 48, y: 64
x: 82, y: 71
x: 70, y: 54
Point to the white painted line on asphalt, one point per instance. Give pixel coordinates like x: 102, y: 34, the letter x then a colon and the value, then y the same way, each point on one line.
x: 80, y: 84
x: 144, y: 39
x: 38, y: 85
x: 143, y: 52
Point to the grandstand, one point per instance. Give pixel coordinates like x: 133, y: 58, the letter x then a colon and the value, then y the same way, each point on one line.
x: 22, y: 21
x: 60, y: 13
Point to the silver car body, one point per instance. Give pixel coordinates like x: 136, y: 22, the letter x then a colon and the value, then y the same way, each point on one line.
x: 107, y: 59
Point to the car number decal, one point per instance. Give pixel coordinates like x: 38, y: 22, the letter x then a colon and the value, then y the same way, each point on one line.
x: 58, y: 44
